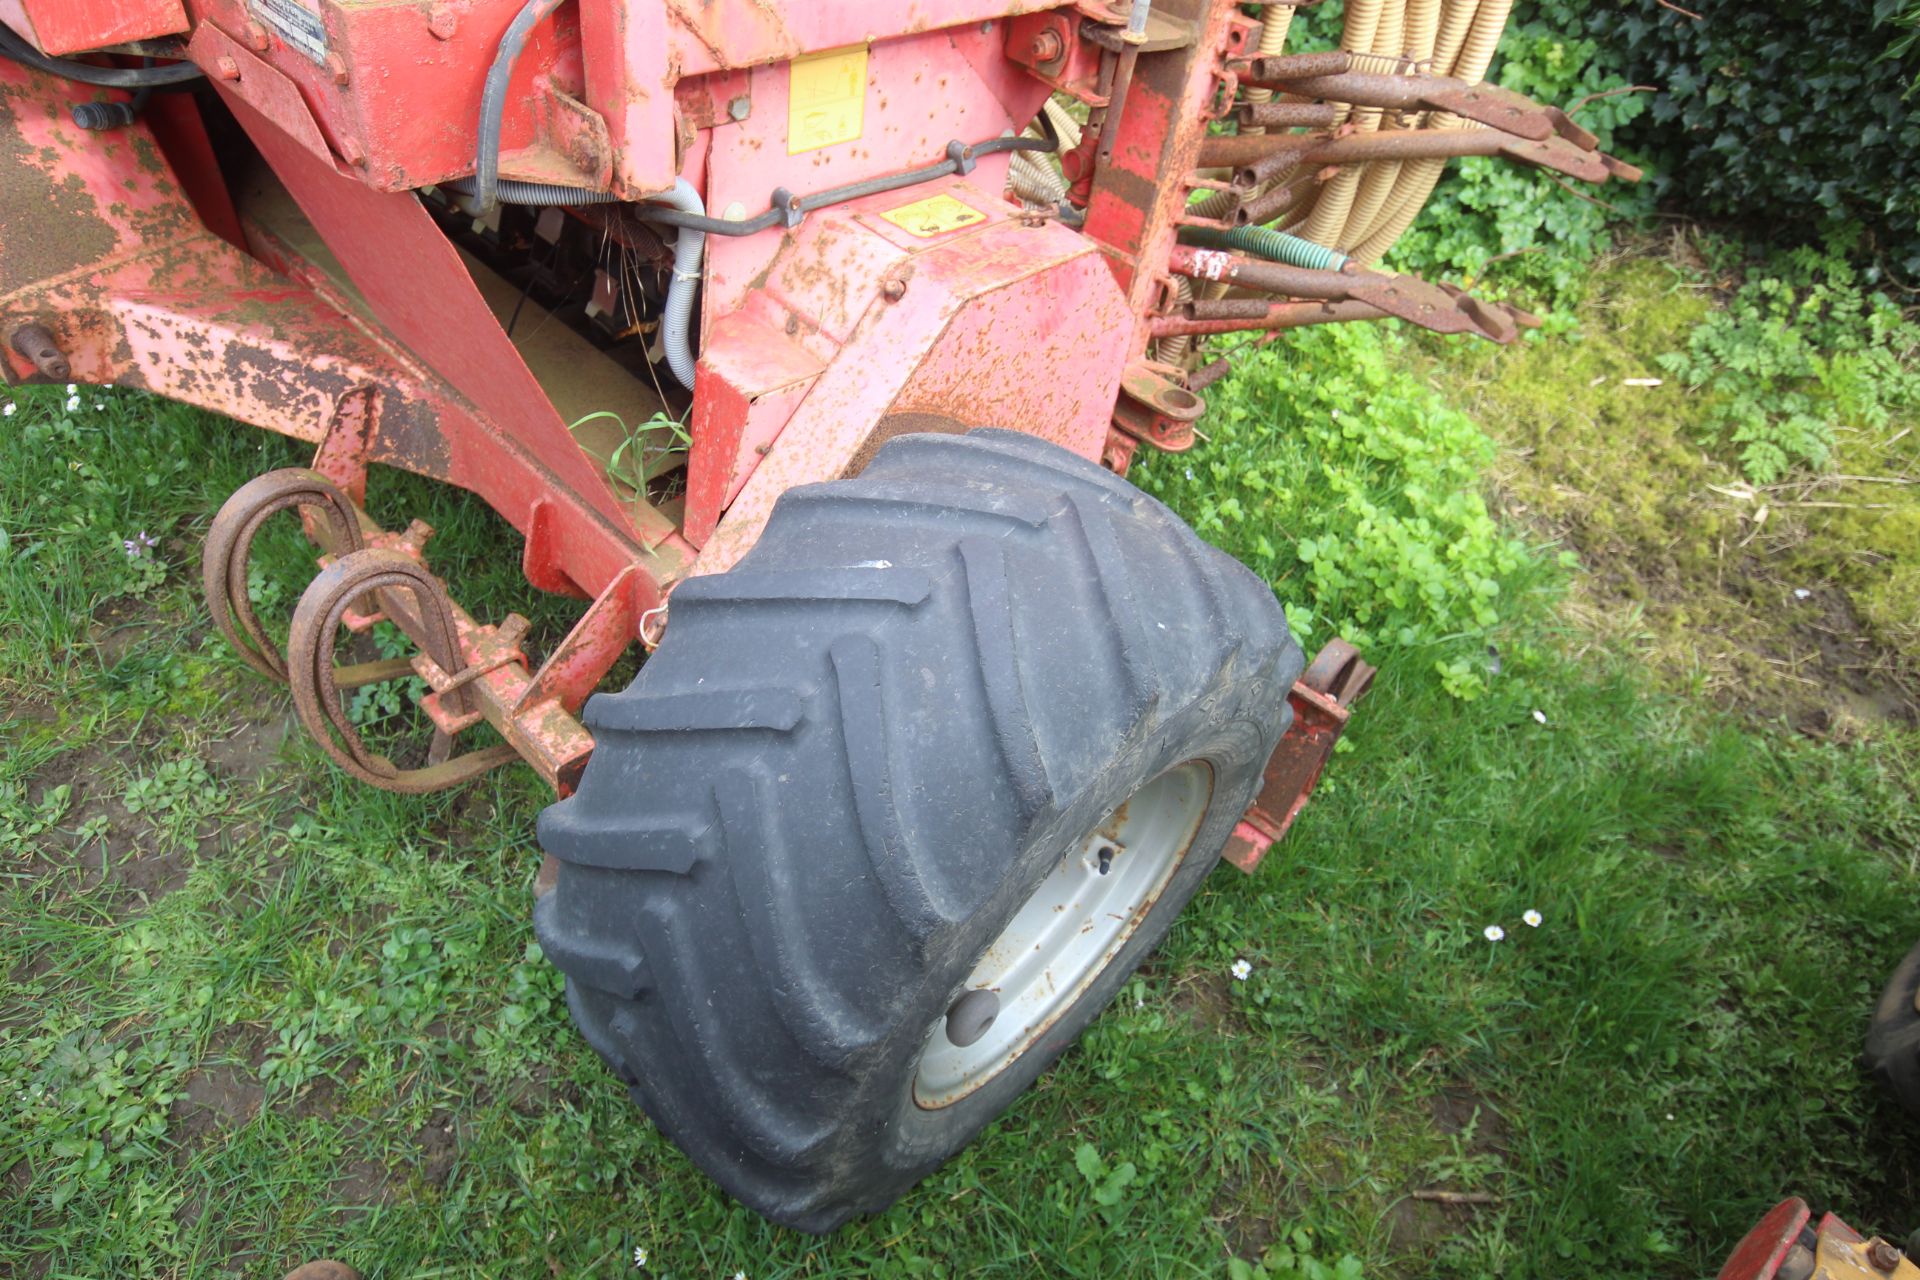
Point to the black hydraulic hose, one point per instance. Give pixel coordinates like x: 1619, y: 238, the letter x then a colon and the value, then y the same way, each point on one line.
x: 99, y: 117
x: 13, y: 47
x: 788, y: 208
x: 493, y: 99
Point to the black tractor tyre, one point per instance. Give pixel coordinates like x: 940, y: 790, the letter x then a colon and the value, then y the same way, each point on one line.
x: 852, y: 761
x: 1893, y: 1040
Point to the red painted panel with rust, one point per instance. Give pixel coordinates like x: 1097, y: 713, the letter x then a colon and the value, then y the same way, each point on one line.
x: 752, y: 377
x: 414, y: 281
x: 400, y: 102
x: 922, y: 92
x: 101, y: 247
x: 999, y: 320
x: 72, y: 26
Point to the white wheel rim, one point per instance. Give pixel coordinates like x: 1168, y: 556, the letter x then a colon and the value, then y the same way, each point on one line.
x: 1068, y: 932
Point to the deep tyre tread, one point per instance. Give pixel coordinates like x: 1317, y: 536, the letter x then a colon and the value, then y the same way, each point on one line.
x: 1893, y: 1040
x: 847, y: 766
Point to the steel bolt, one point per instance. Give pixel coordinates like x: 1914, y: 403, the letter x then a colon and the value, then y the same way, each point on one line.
x: 1046, y: 46
x: 259, y: 37
x: 970, y: 1016
x: 894, y: 289
x: 226, y: 68
x: 740, y: 108
x: 442, y: 21
x: 37, y: 343
x: 337, y: 68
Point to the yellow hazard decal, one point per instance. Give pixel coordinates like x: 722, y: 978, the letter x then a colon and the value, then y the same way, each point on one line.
x: 826, y: 98
x: 934, y: 216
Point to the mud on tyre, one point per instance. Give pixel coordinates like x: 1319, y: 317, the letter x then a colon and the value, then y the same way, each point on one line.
x: 984, y: 672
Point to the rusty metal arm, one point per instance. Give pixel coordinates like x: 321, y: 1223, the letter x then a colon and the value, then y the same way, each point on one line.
x: 1485, y: 104
x: 1259, y: 157
x: 1405, y: 297
x: 1287, y: 115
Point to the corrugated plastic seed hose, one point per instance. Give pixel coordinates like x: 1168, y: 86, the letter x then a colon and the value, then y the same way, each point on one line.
x: 1419, y: 176
x: 1036, y: 178
x: 676, y: 317
x: 1264, y: 242
x: 1366, y: 207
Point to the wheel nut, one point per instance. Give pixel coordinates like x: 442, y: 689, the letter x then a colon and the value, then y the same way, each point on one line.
x: 226, y: 68
x: 442, y: 22
x: 1046, y: 46
x: 258, y: 37
x: 894, y: 289
x: 1881, y: 1256
x: 969, y: 1017
x: 337, y: 68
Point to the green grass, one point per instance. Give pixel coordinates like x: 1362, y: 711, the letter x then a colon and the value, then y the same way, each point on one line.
x: 256, y: 1013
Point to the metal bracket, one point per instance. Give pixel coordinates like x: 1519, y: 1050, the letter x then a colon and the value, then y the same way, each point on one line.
x: 1322, y: 699
x: 1157, y: 410
x: 475, y: 672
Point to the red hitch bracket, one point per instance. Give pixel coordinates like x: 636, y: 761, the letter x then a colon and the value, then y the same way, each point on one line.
x: 1322, y: 700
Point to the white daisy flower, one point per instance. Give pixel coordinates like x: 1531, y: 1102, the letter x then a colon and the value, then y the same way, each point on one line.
x: 72, y: 387
x: 1533, y: 919
x: 1540, y: 717
x: 99, y: 404
x: 1494, y: 933
x: 739, y: 1275
x: 639, y: 1257
x: 1241, y: 971
x: 8, y: 411
x: 73, y: 402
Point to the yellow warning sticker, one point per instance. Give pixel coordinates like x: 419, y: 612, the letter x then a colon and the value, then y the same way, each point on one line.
x: 934, y: 216
x: 826, y: 98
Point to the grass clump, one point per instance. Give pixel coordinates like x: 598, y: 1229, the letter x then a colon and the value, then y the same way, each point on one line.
x: 1800, y: 349
x: 1355, y: 490
x: 1784, y: 599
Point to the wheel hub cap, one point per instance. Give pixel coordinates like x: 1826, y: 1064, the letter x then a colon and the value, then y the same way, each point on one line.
x: 1065, y: 935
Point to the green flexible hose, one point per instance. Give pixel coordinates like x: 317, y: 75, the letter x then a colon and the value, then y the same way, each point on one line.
x: 1275, y: 246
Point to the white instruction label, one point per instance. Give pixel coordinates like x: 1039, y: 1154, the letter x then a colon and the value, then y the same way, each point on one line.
x: 296, y: 24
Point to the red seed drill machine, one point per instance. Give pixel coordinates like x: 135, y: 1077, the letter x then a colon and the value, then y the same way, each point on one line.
x: 807, y: 344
